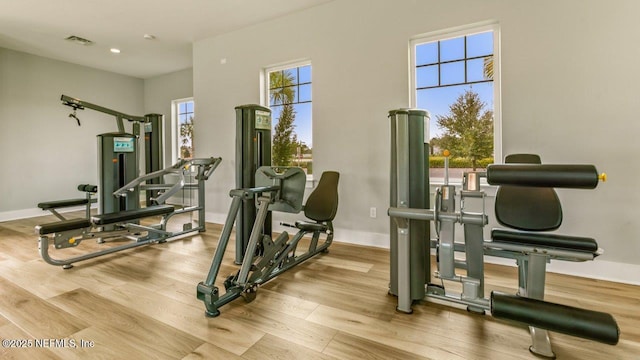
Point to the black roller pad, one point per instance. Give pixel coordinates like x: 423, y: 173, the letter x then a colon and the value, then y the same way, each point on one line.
x: 587, y: 324
x: 554, y: 176
x: 555, y: 241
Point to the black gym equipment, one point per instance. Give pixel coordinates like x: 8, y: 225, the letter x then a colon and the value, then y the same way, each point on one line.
x: 525, y: 203
x: 153, y: 140
x: 191, y: 175
x: 265, y: 258
x: 117, y: 166
x: 253, y: 150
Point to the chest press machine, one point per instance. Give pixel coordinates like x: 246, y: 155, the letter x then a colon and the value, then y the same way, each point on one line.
x: 264, y: 258
x: 70, y: 233
x: 525, y: 202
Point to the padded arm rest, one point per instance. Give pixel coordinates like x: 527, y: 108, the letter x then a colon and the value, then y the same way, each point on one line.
x: 105, y: 219
x: 62, y: 203
x: 59, y: 226
x: 546, y: 240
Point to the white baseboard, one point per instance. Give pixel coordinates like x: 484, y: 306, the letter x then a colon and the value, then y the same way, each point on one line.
x: 21, y: 214
x: 597, y: 269
x: 361, y: 238
x: 35, y: 212
x: 216, y: 218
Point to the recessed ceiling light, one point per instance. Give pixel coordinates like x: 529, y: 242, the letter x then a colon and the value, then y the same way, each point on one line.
x: 78, y: 40
x: 149, y: 37
x: 115, y: 51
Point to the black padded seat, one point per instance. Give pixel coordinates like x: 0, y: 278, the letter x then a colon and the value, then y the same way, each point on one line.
x: 309, y: 226
x: 65, y: 225
x: 527, y: 208
x: 62, y: 203
x: 322, y: 204
x: 554, y: 241
x: 122, y: 216
x: 531, y: 210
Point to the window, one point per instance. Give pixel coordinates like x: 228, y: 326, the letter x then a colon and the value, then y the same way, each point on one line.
x: 289, y: 97
x: 455, y: 76
x: 182, y: 129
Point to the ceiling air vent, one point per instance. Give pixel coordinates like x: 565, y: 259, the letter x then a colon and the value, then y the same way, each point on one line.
x: 78, y: 40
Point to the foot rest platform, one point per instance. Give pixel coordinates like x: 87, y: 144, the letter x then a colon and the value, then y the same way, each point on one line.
x: 62, y: 203
x: 310, y: 226
x: 60, y: 226
x: 587, y: 324
x: 554, y: 241
x: 105, y: 219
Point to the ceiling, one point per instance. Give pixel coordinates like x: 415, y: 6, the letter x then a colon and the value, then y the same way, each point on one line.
x: 40, y: 27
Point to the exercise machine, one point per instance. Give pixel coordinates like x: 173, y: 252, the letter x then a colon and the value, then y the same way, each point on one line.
x: 520, y: 206
x: 117, y: 166
x: 152, y: 125
x: 253, y: 150
x: 264, y: 258
x: 191, y: 174
x: 528, y: 206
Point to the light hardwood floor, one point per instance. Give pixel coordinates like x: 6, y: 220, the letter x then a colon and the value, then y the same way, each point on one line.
x: 141, y: 304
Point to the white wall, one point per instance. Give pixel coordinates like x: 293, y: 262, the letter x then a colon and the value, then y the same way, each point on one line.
x: 569, y: 80
x: 45, y: 155
x: 159, y: 91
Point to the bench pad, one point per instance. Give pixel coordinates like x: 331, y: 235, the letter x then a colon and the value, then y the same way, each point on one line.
x: 65, y: 225
x: 545, y: 240
x: 62, y: 203
x: 112, y: 218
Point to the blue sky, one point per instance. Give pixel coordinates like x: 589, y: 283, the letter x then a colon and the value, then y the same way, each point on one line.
x: 302, y: 121
x: 435, y: 100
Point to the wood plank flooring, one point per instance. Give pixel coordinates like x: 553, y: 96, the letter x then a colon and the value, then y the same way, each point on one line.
x: 141, y: 304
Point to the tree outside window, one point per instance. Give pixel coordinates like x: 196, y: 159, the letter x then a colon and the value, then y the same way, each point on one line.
x: 290, y: 103
x: 454, y: 81
x: 185, y: 130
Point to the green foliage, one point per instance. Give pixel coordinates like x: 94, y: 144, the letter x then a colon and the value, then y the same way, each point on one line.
x: 464, y: 163
x: 468, y: 129
x: 488, y: 67
x: 285, y: 141
x: 186, y: 136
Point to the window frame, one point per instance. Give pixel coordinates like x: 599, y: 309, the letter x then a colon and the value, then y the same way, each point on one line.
x: 451, y: 33
x: 265, y: 93
x: 175, y: 126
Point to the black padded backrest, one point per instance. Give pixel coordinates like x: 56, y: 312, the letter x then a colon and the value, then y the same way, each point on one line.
x: 527, y: 208
x: 522, y: 159
x: 322, y: 204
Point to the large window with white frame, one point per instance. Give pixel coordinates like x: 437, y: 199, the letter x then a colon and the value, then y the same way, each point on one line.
x: 455, y: 77
x: 183, y: 114
x: 288, y: 94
